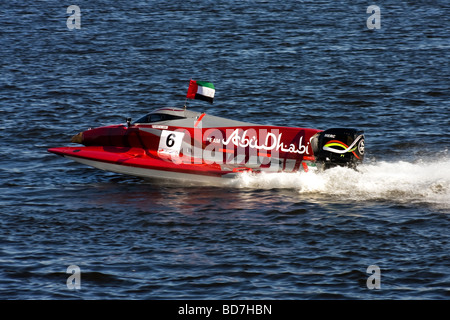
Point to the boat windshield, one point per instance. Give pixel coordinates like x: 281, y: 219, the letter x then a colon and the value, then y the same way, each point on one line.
x: 156, y: 117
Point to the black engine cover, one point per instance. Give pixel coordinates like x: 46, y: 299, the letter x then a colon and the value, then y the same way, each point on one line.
x: 340, y: 147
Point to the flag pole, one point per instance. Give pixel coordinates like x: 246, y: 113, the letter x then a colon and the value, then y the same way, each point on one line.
x: 185, y: 99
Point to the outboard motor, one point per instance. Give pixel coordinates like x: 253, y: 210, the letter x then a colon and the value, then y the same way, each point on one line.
x: 339, y: 147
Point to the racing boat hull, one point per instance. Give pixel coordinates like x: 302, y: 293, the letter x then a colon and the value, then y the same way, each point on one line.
x: 134, y: 162
x: 178, y: 144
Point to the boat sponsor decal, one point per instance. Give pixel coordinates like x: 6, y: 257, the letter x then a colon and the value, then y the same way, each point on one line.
x: 158, y: 126
x: 272, y: 142
x: 336, y: 143
x: 251, y: 148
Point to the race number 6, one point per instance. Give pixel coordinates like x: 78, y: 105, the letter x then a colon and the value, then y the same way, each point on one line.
x: 170, y: 142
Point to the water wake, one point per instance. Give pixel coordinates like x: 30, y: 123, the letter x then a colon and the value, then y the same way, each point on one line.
x: 422, y: 181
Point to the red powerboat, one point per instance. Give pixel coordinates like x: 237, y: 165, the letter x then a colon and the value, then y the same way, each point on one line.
x: 180, y: 144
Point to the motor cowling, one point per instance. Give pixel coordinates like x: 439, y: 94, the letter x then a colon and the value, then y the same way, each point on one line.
x: 339, y: 147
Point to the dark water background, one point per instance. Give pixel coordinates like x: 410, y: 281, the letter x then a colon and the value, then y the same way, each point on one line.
x: 297, y: 63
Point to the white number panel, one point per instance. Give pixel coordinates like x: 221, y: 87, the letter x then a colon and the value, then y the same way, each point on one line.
x: 170, y: 142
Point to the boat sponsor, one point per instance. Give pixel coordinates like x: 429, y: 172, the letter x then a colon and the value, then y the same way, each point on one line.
x: 249, y: 147
x: 158, y: 126
x: 271, y: 142
x: 335, y: 143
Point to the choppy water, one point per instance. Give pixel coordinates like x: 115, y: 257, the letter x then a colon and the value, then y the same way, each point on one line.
x: 284, y: 236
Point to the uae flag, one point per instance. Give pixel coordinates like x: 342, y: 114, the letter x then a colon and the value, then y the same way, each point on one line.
x: 201, y: 90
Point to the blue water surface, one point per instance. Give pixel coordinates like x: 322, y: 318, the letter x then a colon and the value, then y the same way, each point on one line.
x: 295, y: 63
